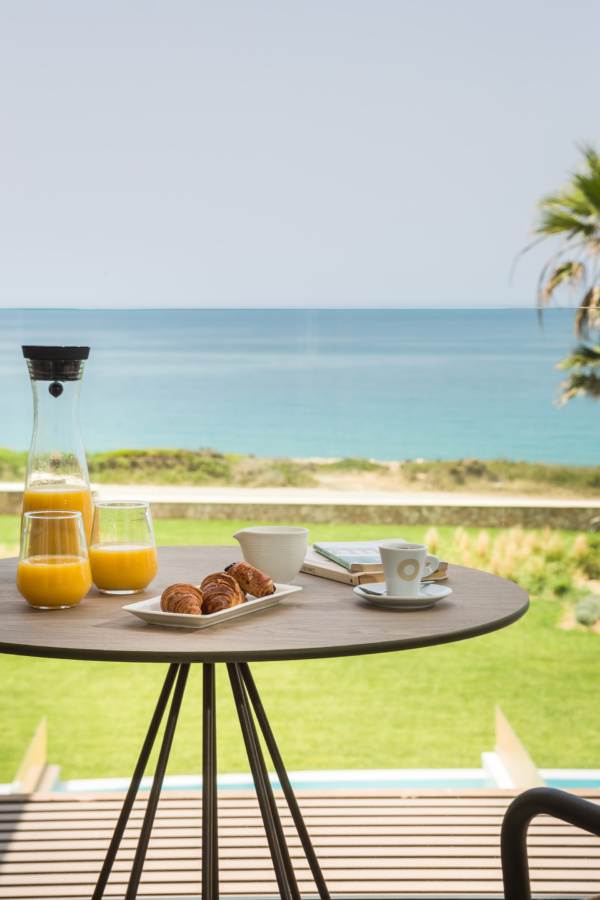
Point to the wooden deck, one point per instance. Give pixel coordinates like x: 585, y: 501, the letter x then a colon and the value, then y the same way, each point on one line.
x: 380, y: 842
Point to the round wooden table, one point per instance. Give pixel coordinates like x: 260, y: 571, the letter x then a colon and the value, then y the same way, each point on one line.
x: 325, y: 619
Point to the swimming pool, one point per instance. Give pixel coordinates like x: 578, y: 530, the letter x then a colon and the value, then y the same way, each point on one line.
x: 435, y: 779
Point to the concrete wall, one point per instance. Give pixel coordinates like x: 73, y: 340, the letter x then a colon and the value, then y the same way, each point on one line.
x: 11, y: 503
x: 574, y: 518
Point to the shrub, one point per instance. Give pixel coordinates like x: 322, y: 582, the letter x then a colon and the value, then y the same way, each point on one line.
x: 587, y: 611
x: 351, y: 464
x: 13, y: 465
x: 541, y: 564
x: 590, y: 564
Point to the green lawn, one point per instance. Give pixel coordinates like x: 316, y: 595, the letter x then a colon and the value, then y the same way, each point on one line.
x: 421, y: 708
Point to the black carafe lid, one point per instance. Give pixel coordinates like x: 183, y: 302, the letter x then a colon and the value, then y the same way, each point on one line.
x: 55, y: 363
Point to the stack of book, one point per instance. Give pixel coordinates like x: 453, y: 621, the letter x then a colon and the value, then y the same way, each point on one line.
x: 353, y: 562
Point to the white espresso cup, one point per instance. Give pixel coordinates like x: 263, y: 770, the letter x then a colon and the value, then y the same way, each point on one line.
x: 404, y: 565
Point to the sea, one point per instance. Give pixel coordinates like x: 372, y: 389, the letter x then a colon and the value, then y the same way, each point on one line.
x: 381, y: 384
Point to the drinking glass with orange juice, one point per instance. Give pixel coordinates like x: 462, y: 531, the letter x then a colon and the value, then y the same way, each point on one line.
x: 54, y: 566
x: 123, y: 551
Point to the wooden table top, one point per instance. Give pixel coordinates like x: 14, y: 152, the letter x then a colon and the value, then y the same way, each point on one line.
x: 325, y: 619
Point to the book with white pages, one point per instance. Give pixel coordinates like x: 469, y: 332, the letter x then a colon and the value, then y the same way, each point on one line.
x: 317, y: 564
x: 355, y: 556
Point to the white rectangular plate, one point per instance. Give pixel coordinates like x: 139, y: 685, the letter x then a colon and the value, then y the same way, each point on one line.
x: 150, y: 611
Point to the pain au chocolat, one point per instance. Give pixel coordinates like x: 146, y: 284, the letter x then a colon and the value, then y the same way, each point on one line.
x: 251, y: 580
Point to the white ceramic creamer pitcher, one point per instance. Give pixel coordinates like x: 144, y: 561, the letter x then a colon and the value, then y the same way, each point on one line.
x: 277, y: 550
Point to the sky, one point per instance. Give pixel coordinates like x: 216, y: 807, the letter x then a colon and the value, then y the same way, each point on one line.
x: 285, y: 153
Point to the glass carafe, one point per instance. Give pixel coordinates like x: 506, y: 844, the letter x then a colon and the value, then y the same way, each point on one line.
x: 57, y: 474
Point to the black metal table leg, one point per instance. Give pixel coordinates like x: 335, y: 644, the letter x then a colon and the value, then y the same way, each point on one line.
x: 282, y: 864
x: 135, y: 782
x: 284, y: 781
x: 161, y: 766
x: 246, y: 698
x: 210, y: 841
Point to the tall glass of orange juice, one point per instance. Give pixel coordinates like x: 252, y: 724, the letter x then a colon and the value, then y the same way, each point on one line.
x: 123, y: 551
x: 54, y: 566
x: 57, y: 474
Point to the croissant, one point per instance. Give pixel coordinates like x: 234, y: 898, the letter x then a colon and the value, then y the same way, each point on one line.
x: 220, y: 580
x: 182, y: 598
x: 220, y: 592
x: 216, y: 603
x: 251, y: 580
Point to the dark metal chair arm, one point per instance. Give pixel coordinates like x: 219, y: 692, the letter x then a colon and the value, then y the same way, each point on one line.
x: 534, y: 802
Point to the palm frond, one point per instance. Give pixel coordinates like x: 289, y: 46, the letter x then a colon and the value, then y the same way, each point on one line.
x: 591, y: 156
x: 579, y: 384
x: 525, y: 250
x: 556, y: 219
x: 582, y: 357
x: 552, y: 262
x: 570, y: 272
x: 587, y: 317
x: 572, y: 200
x: 589, y: 187
x: 588, y: 181
x: 575, y: 208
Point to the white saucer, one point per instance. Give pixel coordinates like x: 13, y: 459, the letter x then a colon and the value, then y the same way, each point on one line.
x: 429, y: 594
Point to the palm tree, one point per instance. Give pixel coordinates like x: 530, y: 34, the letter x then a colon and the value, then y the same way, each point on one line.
x: 573, y: 215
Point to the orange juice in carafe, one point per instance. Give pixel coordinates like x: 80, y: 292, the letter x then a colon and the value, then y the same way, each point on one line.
x: 61, y: 496
x: 57, y: 474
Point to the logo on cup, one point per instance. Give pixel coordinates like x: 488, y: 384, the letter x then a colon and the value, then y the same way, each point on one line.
x: 408, y: 569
